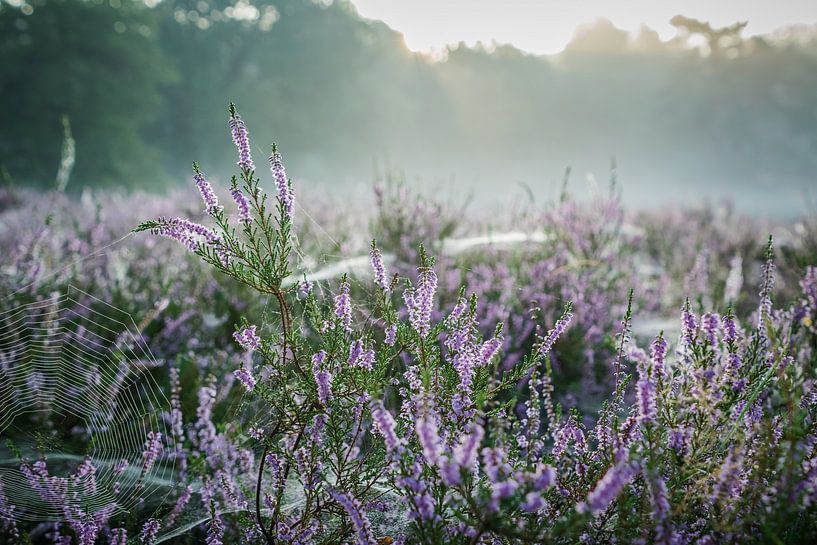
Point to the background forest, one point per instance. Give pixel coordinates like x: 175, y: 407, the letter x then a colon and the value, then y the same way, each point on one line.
x: 143, y: 84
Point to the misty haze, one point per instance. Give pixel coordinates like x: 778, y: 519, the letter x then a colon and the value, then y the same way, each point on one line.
x: 709, y: 115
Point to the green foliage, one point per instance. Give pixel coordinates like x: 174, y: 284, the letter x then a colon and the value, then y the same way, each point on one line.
x: 99, y: 66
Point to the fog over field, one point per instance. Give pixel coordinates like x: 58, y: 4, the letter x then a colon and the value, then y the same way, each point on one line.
x: 701, y: 112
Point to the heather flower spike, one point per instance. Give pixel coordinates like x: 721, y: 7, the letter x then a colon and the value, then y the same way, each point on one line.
x: 343, y: 305
x: 247, y: 337
x: 609, y: 487
x: 420, y: 300
x: 241, y: 202
x: 360, y: 522
x: 286, y: 197
x: 241, y: 140
x: 558, y: 330
x: 765, y: 308
x: 378, y: 268
x: 211, y: 205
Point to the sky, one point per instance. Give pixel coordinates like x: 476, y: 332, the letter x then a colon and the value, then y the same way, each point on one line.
x: 546, y: 26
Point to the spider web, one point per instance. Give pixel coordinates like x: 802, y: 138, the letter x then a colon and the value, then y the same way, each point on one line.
x: 77, y: 388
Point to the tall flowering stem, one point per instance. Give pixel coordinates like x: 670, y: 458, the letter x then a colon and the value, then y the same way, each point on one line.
x: 546, y: 344
x: 420, y: 300
x: 257, y: 255
x: 378, y: 268
x: 764, y: 311
x: 207, y: 194
x: 286, y: 197
x: 241, y: 140
x: 624, y: 339
x: 241, y: 202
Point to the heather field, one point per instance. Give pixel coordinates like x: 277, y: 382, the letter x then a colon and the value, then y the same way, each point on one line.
x: 240, y: 361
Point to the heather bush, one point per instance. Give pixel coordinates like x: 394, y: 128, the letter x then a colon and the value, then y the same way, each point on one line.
x: 402, y: 411
x: 499, y: 396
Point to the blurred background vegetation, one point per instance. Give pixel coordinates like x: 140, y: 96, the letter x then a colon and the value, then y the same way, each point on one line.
x: 144, y: 84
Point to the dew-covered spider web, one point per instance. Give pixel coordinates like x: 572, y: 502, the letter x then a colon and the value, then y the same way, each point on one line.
x: 82, y: 429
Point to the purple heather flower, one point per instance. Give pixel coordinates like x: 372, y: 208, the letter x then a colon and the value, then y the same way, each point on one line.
x: 211, y: 205
x: 420, y: 302
x: 609, y: 487
x: 215, y: 530
x: 645, y: 394
x: 205, y: 436
x: 119, y: 536
x: 689, y: 325
x: 728, y: 477
x: 276, y: 469
x: 488, y: 350
x: 309, y: 474
x: 428, y: 435
x: 730, y: 331
x: 247, y: 338
x: 324, y: 381
x: 571, y: 433
x: 285, y: 194
x: 378, y: 268
x: 322, y: 378
x: 244, y: 375
x: 166, y: 228
x: 659, y: 356
x: 385, y: 425
x: 502, y: 490
x: 189, y: 234
x: 493, y: 462
x: 85, y: 476
x: 785, y: 362
x: 646, y: 401
x: 178, y: 508
x: 51, y: 489
x: 177, y: 422
x: 465, y: 453
x: 242, y: 142
x: 464, y: 456
x: 87, y: 531
x: 318, y: 359
x: 120, y: 467
x: 450, y: 472
x: 710, y: 324
x: 391, y: 335
x: 678, y: 440
x: 558, y: 330
x: 660, y: 507
x: 153, y: 448
x: 637, y: 355
x: 149, y: 530
x: 360, y: 357
x: 533, y: 503
x: 242, y: 204
x: 425, y: 507
x: 360, y: 522
x: 765, y: 309
x: 343, y: 306
x: 628, y: 432
x: 304, y: 288
x: 8, y: 518
x: 542, y: 478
